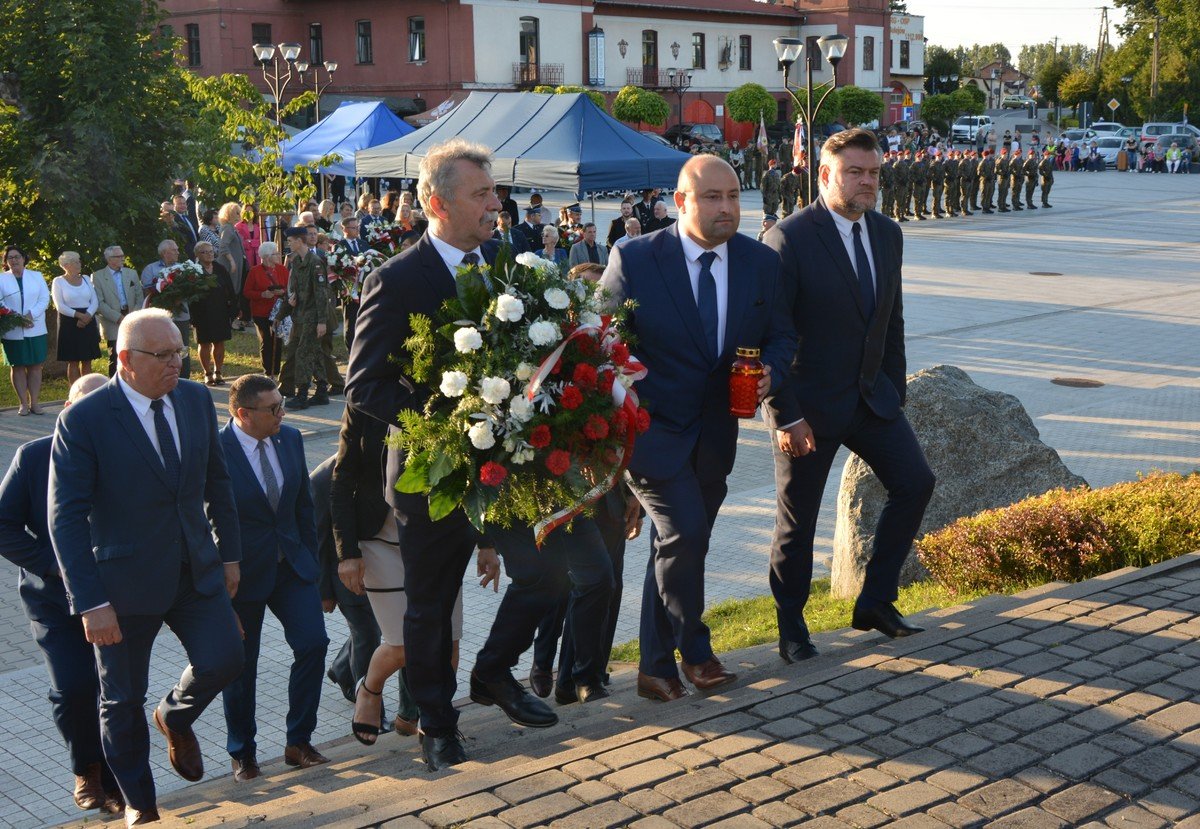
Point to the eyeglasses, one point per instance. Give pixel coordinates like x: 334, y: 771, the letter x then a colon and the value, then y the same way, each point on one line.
x: 164, y: 356
x: 274, y: 408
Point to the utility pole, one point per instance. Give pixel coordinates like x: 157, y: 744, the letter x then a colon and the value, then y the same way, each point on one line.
x: 1154, y: 70
x: 1102, y: 40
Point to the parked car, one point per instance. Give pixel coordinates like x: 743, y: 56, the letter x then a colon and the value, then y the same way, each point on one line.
x: 1186, y: 141
x: 685, y: 135
x: 1108, y: 146
x: 1079, y: 134
x: 1107, y: 127
x: 1016, y: 102
x: 656, y: 137
x: 966, y: 129
x: 1128, y: 132
x: 1152, y: 130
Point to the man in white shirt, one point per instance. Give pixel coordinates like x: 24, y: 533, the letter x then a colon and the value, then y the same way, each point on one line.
x: 119, y: 290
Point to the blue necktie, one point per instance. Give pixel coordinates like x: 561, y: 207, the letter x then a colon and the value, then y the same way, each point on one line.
x: 706, y: 301
x: 166, y: 443
x: 863, y: 265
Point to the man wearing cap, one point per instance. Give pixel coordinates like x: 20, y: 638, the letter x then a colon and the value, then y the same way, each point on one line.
x: 531, y: 228
x: 309, y: 296
x: 953, y: 200
x: 769, y: 186
x: 966, y: 175
x: 1016, y: 170
x: 937, y: 178
x: 1003, y: 176
x: 768, y: 222
x: 919, y: 173
x: 987, y: 180
x: 1047, y: 170
x: 1032, y: 165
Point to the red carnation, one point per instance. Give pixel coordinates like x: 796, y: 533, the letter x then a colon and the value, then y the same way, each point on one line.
x: 596, y: 428
x: 643, y: 420
x: 559, y: 461
x: 605, y: 382
x: 619, y: 421
x: 571, y: 397
x: 540, y: 437
x: 619, y: 354
x: 584, y: 376
x: 492, y: 474
x: 586, y: 345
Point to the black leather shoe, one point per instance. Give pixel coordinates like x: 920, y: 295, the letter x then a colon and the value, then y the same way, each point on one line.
x: 883, y: 618
x: 521, y: 706
x: 245, y: 768
x: 580, y: 693
x: 796, y: 651
x: 347, y: 690
x: 540, y: 681
x: 441, y: 752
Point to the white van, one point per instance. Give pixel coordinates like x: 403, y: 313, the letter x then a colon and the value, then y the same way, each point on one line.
x: 966, y: 128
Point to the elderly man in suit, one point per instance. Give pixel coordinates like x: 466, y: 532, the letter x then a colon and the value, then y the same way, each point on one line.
x: 279, y: 570
x: 695, y: 307
x: 185, y: 225
x: 174, y: 560
x: 588, y: 249
x: 352, y: 243
x: 119, y: 290
x: 841, y: 274
x: 74, y: 686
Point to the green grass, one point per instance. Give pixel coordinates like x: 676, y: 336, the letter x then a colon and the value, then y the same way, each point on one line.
x: 740, y: 623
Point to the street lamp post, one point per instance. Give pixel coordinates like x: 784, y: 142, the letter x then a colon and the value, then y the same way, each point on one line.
x: 789, y: 49
x: 679, y: 81
x: 1125, y: 81
x: 319, y: 88
x: 278, y: 79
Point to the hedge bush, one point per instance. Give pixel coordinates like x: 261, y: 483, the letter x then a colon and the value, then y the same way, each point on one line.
x: 1068, y: 535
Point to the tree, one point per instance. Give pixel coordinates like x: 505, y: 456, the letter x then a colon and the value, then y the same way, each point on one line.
x: 1077, y: 86
x: 1033, y: 57
x: 858, y: 105
x: 1050, y: 77
x: 976, y: 56
x: 898, y: 6
x: 750, y: 103
x: 596, y: 98
x: 939, y: 110
x: 93, y: 128
x: 640, y: 106
x: 970, y: 99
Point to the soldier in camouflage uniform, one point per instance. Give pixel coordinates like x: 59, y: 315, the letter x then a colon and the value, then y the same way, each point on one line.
x: 919, y: 177
x: 1032, y: 165
x: 1003, y: 178
x: 885, y: 184
x: 1016, y: 170
x: 937, y: 178
x: 789, y: 189
x: 972, y: 183
x: 900, y: 185
x: 952, y: 189
x: 309, y: 295
x: 770, y: 188
x: 987, y: 181
x: 1047, y: 170
x: 966, y: 177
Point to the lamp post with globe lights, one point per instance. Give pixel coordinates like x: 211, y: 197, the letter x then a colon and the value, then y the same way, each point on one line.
x: 330, y: 66
x: 281, y: 74
x: 679, y: 81
x: 789, y: 50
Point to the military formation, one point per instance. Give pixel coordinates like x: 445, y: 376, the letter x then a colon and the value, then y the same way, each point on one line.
x: 960, y: 180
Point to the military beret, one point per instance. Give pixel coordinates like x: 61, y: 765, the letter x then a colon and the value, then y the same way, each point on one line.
x: 296, y: 232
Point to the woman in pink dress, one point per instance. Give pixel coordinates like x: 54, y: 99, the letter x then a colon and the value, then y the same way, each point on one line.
x: 247, y: 228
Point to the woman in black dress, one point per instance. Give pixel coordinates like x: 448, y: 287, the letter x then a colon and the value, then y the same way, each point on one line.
x: 211, y: 316
x: 76, y: 302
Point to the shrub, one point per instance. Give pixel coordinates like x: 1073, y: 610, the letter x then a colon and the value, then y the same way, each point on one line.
x: 1068, y: 535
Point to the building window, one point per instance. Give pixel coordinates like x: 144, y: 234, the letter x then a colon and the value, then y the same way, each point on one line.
x: 528, y: 42
x: 904, y: 47
x: 744, y: 52
x: 260, y: 33
x: 813, y: 51
x: 316, y: 44
x: 364, y: 52
x: 649, y: 49
x: 416, y: 39
x: 868, y: 50
x: 192, y: 33
x: 698, y: 50
x: 166, y: 30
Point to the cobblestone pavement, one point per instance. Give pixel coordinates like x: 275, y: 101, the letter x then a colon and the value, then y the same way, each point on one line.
x: 1117, y: 300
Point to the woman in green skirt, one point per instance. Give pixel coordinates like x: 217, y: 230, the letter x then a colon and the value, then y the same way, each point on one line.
x: 25, y: 292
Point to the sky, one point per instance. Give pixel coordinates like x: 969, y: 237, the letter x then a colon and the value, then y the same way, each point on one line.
x: 952, y: 23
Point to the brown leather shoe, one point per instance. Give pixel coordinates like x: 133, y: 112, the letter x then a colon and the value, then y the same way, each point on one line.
x: 304, y: 756
x: 89, y: 791
x: 140, y: 817
x: 540, y: 681
x: 114, y: 802
x: 662, y: 690
x: 708, y: 675
x: 184, y: 751
x: 404, y: 727
x: 245, y: 768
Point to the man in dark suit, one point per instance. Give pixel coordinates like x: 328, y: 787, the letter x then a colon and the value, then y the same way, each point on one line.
x: 458, y: 193
x: 148, y: 432
x: 532, y: 228
x: 617, y: 229
x: 506, y: 234
x: 694, y: 309
x: 279, y: 570
x: 841, y: 272
x: 74, y: 686
x: 353, y: 244
x: 507, y: 203
x: 185, y: 225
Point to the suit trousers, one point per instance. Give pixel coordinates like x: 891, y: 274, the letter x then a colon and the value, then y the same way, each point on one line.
x: 351, y: 663
x: 350, y: 308
x: 74, y: 685
x: 682, y: 509
x: 572, y: 559
x: 297, y: 606
x: 206, y: 627
x: 890, y: 448
x: 112, y: 357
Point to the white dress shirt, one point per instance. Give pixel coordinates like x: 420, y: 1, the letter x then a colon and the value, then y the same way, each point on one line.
x: 141, y: 408
x: 250, y: 447
x: 451, y: 255
x: 845, y: 229
x: 720, y: 272
x: 118, y: 279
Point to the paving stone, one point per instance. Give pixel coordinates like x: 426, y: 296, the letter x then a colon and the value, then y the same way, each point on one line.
x: 957, y: 781
x: 1031, y: 717
x: 463, y: 809
x: 825, y: 693
x: 1141, y: 702
x: 653, y: 822
x: 1170, y: 804
x: 811, y: 772
x: 536, y: 786
x: 960, y: 817
x: 910, y: 797
x: 1080, y: 761
x: 1102, y: 718
x: 859, y: 703
x: 1120, y: 782
x: 1031, y: 818
x: 862, y: 816
x: 592, y: 791
x: 858, y: 680
x: 843, y: 734
x: 1135, y: 817
x: 1018, y: 647
x: 406, y: 822
x: 696, y: 784
x: 600, y: 816
x: 909, y: 685
x: 927, y: 730
x: 1048, y: 684
x: 728, y: 724
x: 871, y: 724
x: 857, y: 756
x: 643, y: 775
x: 908, y: 710
x: 1055, y: 737
x: 916, y: 764
x: 1146, y: 672
x: 741, y: 822
x: 760, y: 790
x: 874, y: 779
x: 750, y: 765
x: 735, y: 744
x: 779, y: 813
x: 1146, y: 732
x: 705, y: 809
x: 647, y: 801
x: 784, y: 706
x: 886, y: 745
x: 1004, y: 759
x: 946, y: 672
x: 540, y: 811
x: 1183, y: 716
x: 485, y: 823
x: 799, y: 748
x: 681, y: 738
x: 1118, y: 743
x: 963, y: 744
x: 1189, y: 742
x: 978, y: 710
x: 822, y: 717
x: 585, y: 769
x: 692, y: 758
x: 634, y: 753
x: 787, y: 728
x: 823, y: 822
x: 919, y: 821
x: 1040, y: 779
x: 1159, y: 764
x: 999, y: 798
x: 828, y: 796
x: 1098, y: 691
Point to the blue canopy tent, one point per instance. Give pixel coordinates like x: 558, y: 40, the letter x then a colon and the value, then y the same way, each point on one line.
x: 352, y: 127
x: 552, y: 142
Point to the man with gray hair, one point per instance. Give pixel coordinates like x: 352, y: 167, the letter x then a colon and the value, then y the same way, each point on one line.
x: 168, y: 255
x: 119, y: 290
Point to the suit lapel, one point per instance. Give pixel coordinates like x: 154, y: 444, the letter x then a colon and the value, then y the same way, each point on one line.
x: 187, y: 458
x: 673, y: 267
x: 827, y: 232
x: 290, y: 476
x: 739, y: 293
x: 235, y: 456
x: 880, y: 256
x: 133, y: 427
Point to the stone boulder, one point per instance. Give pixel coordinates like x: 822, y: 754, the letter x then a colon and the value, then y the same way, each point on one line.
x: 981, y: 445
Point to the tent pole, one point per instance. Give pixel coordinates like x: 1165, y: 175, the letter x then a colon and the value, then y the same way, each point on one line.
x: 593, y: 208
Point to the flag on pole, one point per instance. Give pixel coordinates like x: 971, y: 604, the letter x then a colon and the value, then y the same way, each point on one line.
x: 762, y: 133
x: 798, y: 144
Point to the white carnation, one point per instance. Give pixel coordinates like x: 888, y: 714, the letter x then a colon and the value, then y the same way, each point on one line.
x: 454, y: 383
x: 467, y: 340
x: 493, y: 389
x: 557, y: 298
x: 520, y: 408
x: 589, y: 318
x: 529, y: 259
x: 509, y: 308
x: 543, y: 333
x: 481, y: 435
x: 522, y: 456
x: 524, y: 371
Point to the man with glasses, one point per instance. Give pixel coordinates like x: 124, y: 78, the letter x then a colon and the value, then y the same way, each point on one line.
x: 168, y: 255
x: 127, y: 571
x: 119, y: 291
x: 279, y: 569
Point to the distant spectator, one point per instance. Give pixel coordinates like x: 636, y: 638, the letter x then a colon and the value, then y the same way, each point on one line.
x: 76, y: 302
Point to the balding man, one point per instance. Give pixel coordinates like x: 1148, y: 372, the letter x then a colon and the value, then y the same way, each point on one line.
x: 693, y: 310
x: 127, y: 572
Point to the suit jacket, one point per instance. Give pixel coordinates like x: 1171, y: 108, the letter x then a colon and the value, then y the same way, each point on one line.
x: 644, y: 213
x: 101, y: 454
x: 579, y: 253
x: 842, y: 355
x: 23, y: 510
x: 33, y: 298
x: 616, y: 230
x: 355, y: 490
x: 532, y: 233
x: 687, y: 394
x: 189, y: 232
x: 519, y: 242
x: 291, y: 529
x: 416, y: 281
x: 110, y: 300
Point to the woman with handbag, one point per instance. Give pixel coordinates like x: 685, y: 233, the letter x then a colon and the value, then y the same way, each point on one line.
x: 266, y: 285
x: 24, y: 292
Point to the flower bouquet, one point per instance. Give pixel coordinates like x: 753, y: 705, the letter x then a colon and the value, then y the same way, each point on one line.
x: 533, y: 412
x: 342, y: 273
x: 384, y: 236
x: 568, y: 236
x: 11, y: 320
x: 179, y: 284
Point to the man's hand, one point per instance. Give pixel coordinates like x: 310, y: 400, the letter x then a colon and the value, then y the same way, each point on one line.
x: 487, y: 567
x: 100, y: 626
x: 633, y: 518
x: 233, y: 577
x: 797, y: 440
x: 320, y: 329
x: 764, y: 383
x: 351, y: 572
x: 328, y: 605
